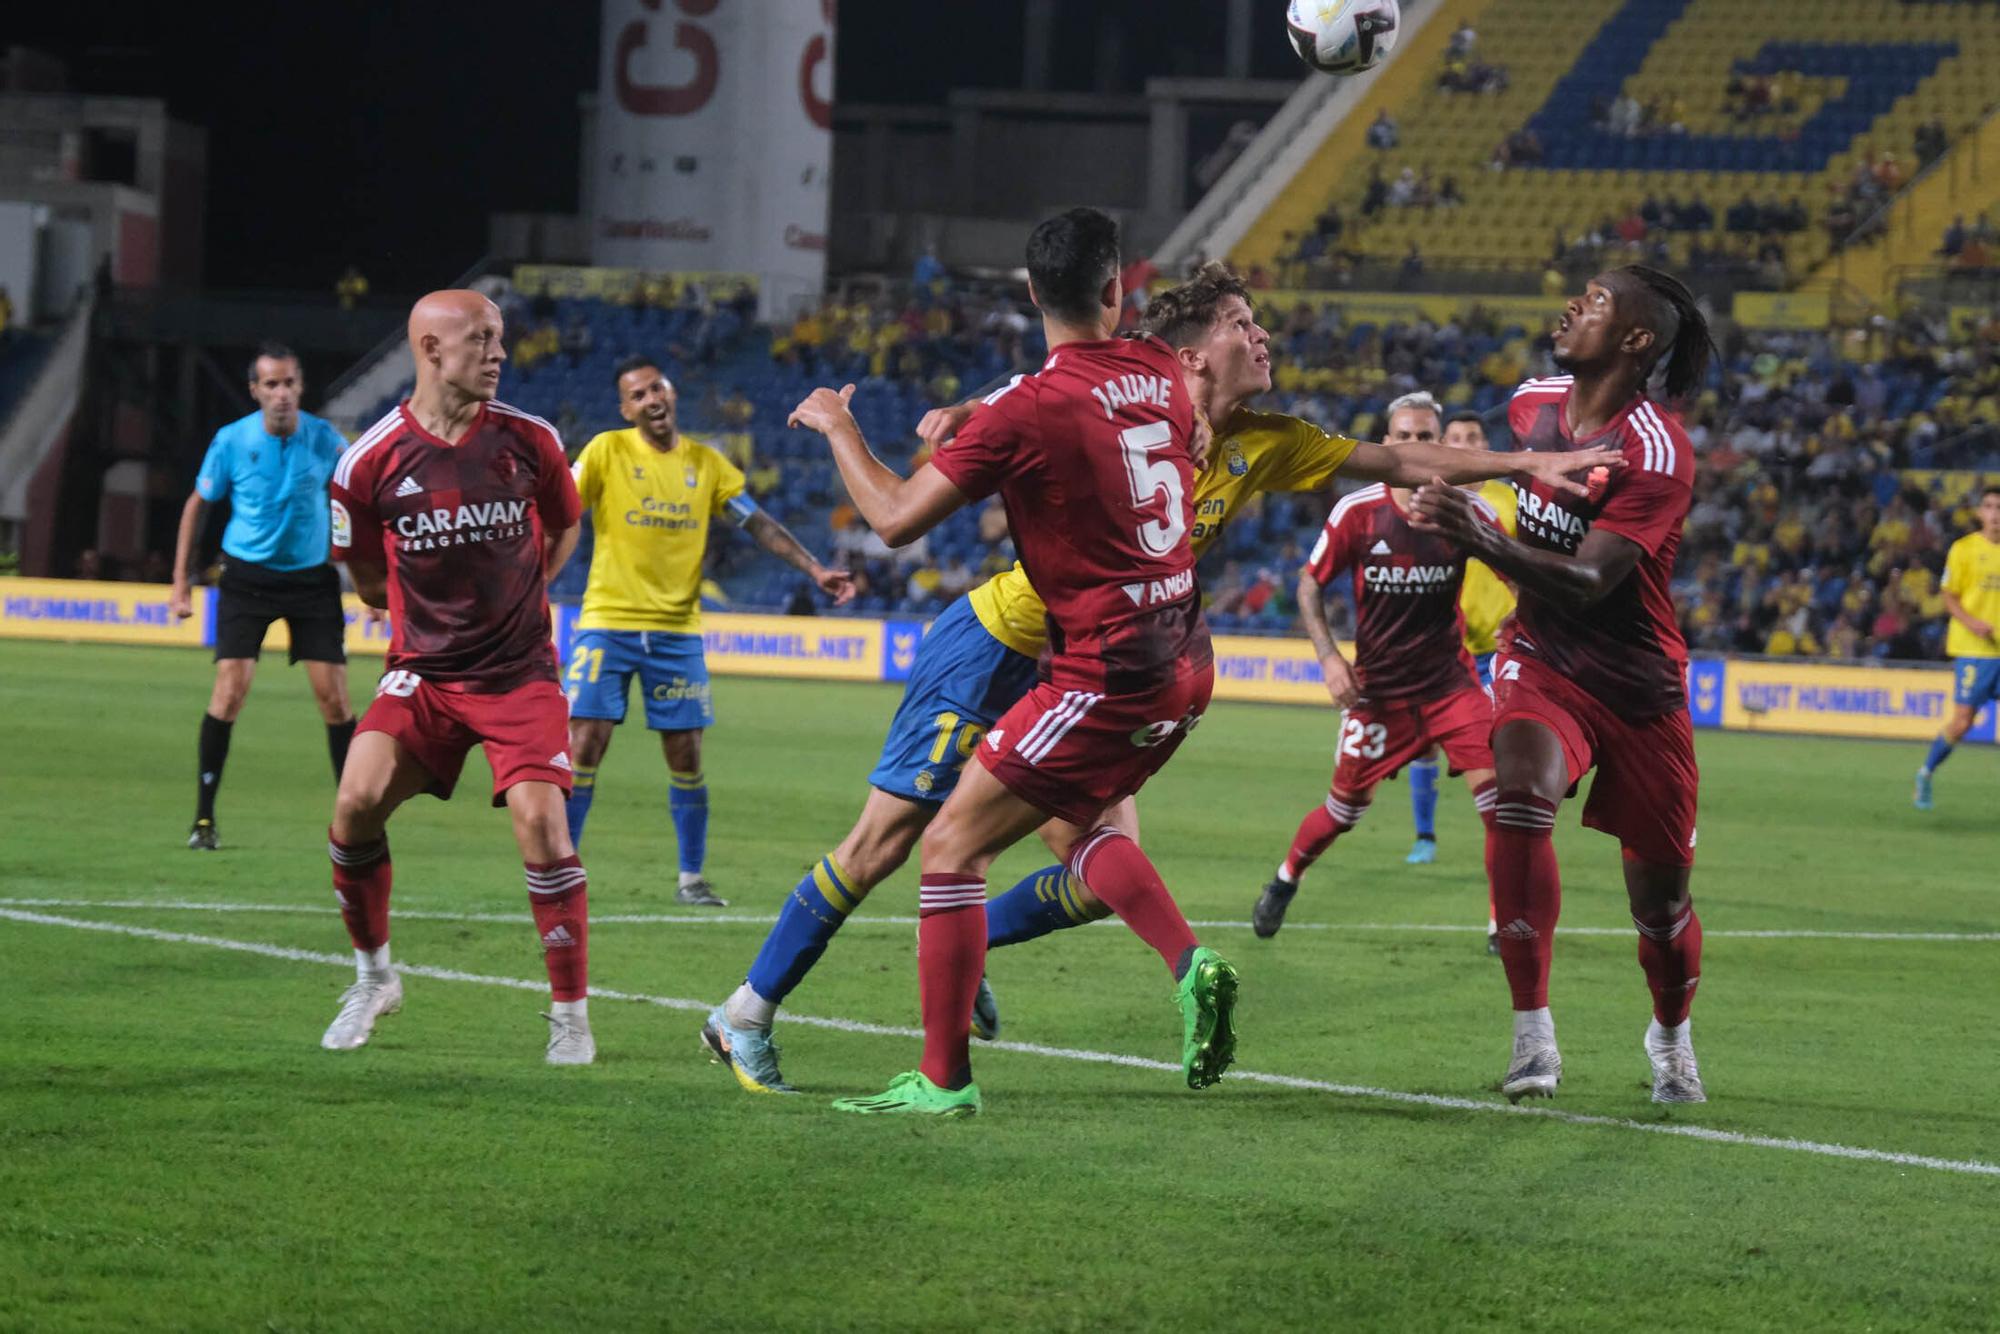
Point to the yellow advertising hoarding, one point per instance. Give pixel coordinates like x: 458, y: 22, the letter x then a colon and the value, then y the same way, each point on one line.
x: 1901, y: 702
x: 1269, y: 671
x: 107, y: 612
x: 822, y: 648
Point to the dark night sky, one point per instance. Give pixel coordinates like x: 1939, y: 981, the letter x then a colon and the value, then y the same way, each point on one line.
x: 387, y: 131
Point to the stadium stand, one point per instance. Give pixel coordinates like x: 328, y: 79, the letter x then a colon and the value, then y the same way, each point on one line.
x: 1589, y: 110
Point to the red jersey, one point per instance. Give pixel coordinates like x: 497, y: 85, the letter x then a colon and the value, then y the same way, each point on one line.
x: 461, y: 528
x: 1090, y: 455
x: 1626, y: 649
x: 1409, y: 635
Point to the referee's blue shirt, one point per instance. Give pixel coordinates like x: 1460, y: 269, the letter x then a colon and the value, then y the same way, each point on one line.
x: 276, y: 488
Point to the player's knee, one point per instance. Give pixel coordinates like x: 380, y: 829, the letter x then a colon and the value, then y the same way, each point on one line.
x: 683, y: 751
x: 226, y: 700
x: 358, y: 810
x: 588, y: 740
x: 333, y: 705
x: 874, y: 850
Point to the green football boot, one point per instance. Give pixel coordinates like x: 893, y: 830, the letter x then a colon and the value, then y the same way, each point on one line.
x: 911, y: 1094
x: 1206, y: 994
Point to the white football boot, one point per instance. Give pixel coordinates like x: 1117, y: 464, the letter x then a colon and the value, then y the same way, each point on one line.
x: 361, y: 1005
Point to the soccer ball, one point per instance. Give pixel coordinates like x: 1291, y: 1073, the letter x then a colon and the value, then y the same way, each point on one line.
x: 1343, y: 36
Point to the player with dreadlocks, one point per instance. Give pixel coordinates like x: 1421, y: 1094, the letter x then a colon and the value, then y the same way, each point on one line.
x: 1591, y: 671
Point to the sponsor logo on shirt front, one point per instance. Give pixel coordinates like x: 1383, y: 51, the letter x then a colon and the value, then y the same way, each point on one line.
x: 488, y: 521
x: 1408, y: 578
x: 1548, y: 521
x: 1152, y: 592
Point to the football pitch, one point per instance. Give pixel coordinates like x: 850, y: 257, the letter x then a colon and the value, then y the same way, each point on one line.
x: 180, y: 1154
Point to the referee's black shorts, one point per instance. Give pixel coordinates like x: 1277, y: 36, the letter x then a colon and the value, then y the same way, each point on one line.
x: 251, y: 596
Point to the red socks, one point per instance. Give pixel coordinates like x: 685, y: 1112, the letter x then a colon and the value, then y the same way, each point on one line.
x: 1527, y: 892
x: 1322, y: 825
x: 1670, y: 952
x: 361, y: 875
x: 951, y: 957
x: 1120, y: 875
x: 559, y: 894
x: 1484, y: 798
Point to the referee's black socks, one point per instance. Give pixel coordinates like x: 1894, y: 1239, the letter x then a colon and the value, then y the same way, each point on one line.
x: 214, y: 751
x: 338, y: 737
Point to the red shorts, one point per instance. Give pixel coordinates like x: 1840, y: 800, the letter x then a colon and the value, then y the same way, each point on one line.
x: 1072, y: 753
x: 1376, y: 740
x: 525, y: 730
x: 1644, y: 795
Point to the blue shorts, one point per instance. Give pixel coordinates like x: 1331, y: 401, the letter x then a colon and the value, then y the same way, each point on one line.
x: 1975, y: 680
x: 962, y: 681
x: 673, y: 675
x: 1484, y: 662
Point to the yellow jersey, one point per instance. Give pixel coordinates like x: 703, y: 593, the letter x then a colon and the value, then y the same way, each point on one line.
x: 1252, y: 452
x: 1485, y: 599
x: 1972, y: 574
x: 650, y: 511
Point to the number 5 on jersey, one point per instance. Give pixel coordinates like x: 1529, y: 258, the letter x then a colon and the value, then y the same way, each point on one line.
x: 1149, y: 477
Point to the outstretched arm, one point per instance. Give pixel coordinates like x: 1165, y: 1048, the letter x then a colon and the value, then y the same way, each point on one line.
x: 775, y: 538
x: 1412, y: 465
x: 899, y: 509
x: 1600, y: 564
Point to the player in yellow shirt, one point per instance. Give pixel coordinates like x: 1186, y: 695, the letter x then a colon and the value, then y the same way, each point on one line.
x: 651, y: 491
x: 979, y: 657
x: 1972, y: 600
x: 1485, y: 601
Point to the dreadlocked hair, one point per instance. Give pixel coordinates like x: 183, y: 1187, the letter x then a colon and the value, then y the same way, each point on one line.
x: 1681, y: 336
x: 1184, y: 314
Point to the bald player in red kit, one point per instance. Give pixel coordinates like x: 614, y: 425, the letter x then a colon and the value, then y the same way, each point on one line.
x: 1592, y: 670
x: 1092, y: 457
x: 453, y: 511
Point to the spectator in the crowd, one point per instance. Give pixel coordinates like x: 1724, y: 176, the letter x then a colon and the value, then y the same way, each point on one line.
x: 351, y: 288
x: 1403, y: 192
x: 1382, y: 132
x: 1955, y: 237
x: 929, y: 271
x: 576, y: 341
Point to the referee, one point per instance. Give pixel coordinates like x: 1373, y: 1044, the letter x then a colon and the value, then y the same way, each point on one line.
x: 274, y: 465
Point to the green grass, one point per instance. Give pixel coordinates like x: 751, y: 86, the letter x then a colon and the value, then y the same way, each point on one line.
x: 176, y: 1152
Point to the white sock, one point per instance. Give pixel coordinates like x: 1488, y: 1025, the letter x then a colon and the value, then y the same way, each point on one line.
x: 1533, y: 1028
x: 746, y: 1009
x: 1285, y: 874
x: 371, y: 963
x: 1660, y: 1038
x: 690, y: 878
x: 577, y: 1009
x: 1492, y: 927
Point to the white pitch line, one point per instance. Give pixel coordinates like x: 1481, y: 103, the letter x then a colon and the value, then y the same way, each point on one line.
x: 1960, y: 1166
x: 746, y: 919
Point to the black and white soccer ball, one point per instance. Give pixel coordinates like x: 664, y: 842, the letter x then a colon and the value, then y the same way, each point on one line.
x: 1343, y: 36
